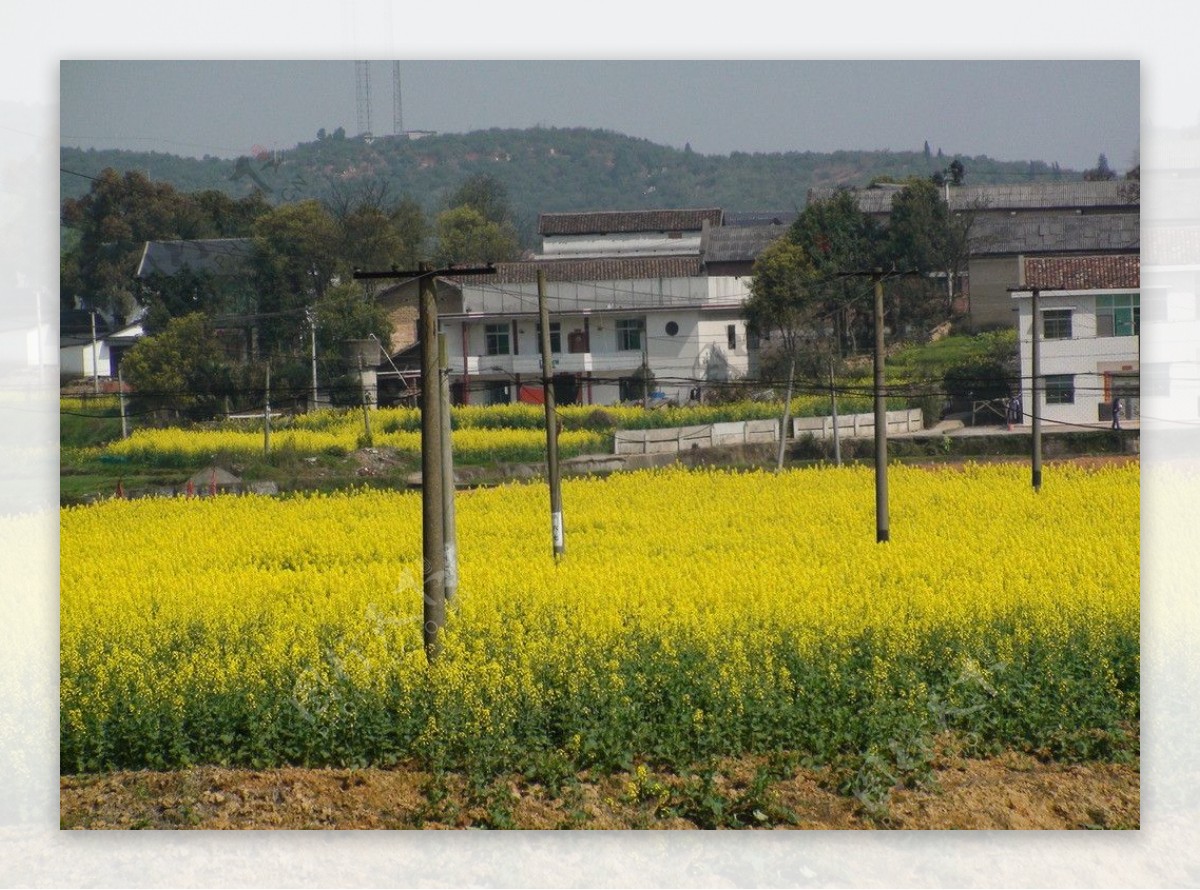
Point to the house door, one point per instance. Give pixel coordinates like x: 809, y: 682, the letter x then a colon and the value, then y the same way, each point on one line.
x: 1127, y: 388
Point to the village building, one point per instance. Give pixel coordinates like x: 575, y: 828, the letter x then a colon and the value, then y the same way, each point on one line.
x: 1089, y: 331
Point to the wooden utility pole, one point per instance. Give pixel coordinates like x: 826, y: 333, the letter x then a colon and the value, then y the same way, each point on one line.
x: 1037, y: 390
x: 121, y: 396
x: 449, y: 524
x: 837, y: 442
x: 556, y: 517
x: 433, y: 530
x: 311, y: 313
x: 881, y: 481
x: 645, y: 367
x: 366, y: 403
x: 267, y: 414
x: 433, y: 476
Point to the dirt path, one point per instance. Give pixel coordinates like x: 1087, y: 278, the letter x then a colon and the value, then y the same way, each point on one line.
x: 1008, y: 792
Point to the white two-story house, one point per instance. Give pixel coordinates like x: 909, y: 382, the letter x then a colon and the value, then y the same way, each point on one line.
x: 1089, y: 327
x: 612, y: 320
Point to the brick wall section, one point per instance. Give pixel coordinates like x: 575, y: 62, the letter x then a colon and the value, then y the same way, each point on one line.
x: 1083, y: 273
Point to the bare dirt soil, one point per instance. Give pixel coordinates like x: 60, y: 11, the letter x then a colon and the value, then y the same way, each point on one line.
x: 1012, y: 791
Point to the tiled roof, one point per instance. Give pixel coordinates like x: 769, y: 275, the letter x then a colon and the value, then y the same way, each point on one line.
x: 733, y: 244
x: 213, y: 256
x: 621, y: 221
x: 1023, y: 196
x: 1054, y: 232
x: 1082, y: 272
x: 615, y: 269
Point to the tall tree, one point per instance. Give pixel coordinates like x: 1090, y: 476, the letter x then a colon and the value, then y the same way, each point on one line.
x: 484, y: 193
x: 839, y: 238
x: 296, y: 259
x: 783, y: 306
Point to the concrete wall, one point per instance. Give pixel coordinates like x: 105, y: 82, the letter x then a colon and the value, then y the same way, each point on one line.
x: 76, y: 361
x: 991, y: 302
x: 683, y: 438
x: 857, y: 426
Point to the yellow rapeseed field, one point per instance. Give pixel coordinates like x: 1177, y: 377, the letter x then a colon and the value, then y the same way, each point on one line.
x: 696, y: 613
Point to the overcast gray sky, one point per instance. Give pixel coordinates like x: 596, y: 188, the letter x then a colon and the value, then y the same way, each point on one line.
x: 1064, y: 111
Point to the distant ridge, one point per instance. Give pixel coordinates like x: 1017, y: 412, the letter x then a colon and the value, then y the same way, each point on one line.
x: 546, y: 170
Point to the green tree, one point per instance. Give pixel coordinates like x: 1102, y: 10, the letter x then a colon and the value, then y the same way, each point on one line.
x: 295, y: 259
x: 375, y: 230
x: 346, y: 313
x: 465, y: 236
x: 484, y: 193
x: 839, y: 239
x: 115, y: 219
x: 120, y: 213
x: 180, y: 371
x: 924, y: 236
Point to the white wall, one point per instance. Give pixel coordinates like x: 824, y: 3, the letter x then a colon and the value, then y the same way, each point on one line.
x: 76, y: 361
x: 620, y: 244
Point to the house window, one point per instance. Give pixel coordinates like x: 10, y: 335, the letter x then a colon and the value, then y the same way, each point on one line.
x: 731, y: 336
x: 496, y: 336
x: 1056, y: 324
x: 629, y: 334
x: 1060, y: 389
x: 555, y: 336
x: 1118, y: 315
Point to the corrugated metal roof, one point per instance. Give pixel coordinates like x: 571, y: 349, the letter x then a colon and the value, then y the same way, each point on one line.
x: 614, y: 221
x: 213, y: 256
x: 1083, y: 272
x: 733, y: 244
x: 1051, y: 232
x: 1022, y: 196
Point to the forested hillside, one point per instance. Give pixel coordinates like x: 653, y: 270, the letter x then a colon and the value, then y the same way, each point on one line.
x: 543, y: 170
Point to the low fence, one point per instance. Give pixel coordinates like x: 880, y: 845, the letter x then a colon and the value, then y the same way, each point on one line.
x: 858, y: 426
x: 744, y: 432
x: 683, y: 438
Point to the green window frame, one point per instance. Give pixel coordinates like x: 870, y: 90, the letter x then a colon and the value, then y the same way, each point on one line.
x: 1118, y: 315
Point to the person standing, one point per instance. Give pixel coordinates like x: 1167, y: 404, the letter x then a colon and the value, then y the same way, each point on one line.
x: 1116, y: 412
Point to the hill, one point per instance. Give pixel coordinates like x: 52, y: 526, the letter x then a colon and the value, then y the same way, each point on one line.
x: 544, y: 170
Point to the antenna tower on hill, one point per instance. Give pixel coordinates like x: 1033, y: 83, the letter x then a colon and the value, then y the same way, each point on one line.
x: 362, y: 71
